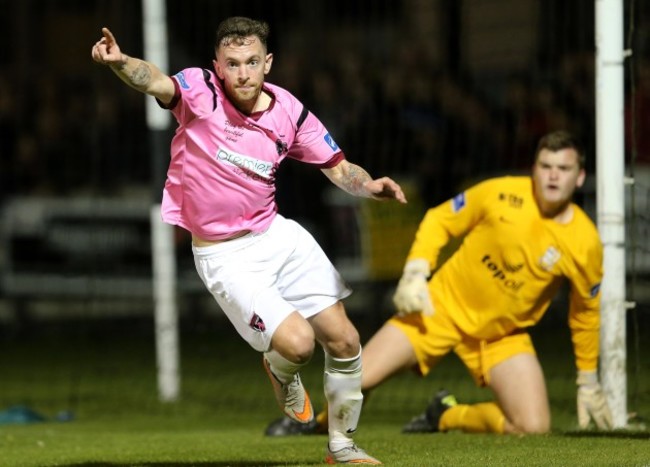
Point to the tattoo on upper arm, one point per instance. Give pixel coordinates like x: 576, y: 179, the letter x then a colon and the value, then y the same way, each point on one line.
x: 141, y: 75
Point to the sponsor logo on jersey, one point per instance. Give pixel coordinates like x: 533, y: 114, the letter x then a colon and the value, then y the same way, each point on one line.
x: 247, y: 164
x: 330, y: 142
x: 499, y: 274
x: 549, y: 258
x: 257, y: 324
x: 180, y: 76
x: 512, y: 199
x: 458, y: 202
x: 512, y: 267
x: 594, y: 290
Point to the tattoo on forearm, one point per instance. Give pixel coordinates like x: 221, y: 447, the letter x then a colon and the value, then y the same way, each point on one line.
x: 141, y: 75
x: 354, y: 179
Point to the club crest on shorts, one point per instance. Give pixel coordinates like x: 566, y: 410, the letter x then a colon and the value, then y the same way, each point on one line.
x: 257, y: 324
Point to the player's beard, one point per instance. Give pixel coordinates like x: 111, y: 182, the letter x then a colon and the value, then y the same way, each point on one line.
x: 245, y: 99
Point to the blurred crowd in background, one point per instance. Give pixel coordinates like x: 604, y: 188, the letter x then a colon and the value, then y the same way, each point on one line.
x: 439, y: 92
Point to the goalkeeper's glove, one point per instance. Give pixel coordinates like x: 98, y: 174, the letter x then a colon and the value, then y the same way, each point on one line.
x: 412, y: 294
x: 592, y: 404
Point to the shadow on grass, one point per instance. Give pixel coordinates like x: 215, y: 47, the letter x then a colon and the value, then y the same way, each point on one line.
x: 617, y: 434
x: 198, y: 464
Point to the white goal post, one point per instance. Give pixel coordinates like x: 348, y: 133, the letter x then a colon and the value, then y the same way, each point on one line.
x: 610, y: 201
x: 154, y: 26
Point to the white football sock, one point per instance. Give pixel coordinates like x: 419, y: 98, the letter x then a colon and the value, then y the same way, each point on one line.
x: 342, y: 383
x: 282, y: 368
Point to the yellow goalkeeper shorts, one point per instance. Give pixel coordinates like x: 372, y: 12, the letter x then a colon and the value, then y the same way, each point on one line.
x: 435, y: 336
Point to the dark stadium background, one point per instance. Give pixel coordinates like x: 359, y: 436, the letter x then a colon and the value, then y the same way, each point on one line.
x: 437, y: 94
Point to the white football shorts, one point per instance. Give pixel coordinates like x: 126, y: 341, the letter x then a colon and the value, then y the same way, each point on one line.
x: 261, y: 278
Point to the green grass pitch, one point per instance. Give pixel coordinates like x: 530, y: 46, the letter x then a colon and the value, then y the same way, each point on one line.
x: 107, y: 379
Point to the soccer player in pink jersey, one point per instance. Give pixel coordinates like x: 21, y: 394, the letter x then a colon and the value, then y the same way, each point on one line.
x: 266, y: 272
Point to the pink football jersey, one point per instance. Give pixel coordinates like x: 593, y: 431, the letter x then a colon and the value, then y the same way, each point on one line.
x: 221, y: 177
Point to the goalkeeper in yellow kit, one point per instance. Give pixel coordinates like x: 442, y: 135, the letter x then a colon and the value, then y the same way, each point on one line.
x: 522, y: 237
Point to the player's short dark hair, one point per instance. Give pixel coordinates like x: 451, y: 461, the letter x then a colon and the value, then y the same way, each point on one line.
x: 238, y: 28
x: 561, y: 139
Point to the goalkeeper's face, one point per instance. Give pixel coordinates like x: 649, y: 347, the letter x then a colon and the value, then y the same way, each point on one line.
x: 556, y: 176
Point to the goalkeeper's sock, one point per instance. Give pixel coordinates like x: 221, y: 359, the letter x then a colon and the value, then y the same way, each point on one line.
x: 283, y: 369
x: 344, y: 398
x: 321, y: 418
x: 486, y: 417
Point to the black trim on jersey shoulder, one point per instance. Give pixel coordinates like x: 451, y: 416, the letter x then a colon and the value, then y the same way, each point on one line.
x: 303, y: 117
x: 206, y: 76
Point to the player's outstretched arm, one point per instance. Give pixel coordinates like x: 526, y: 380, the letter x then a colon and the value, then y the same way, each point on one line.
x: 139, y: 74
x: 356, y: 181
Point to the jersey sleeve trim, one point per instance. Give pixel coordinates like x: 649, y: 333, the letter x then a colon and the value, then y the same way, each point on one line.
x: 175, y: 99
x: 333, y: 162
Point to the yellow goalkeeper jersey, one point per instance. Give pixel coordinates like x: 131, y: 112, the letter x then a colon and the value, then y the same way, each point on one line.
x: 511, y: 263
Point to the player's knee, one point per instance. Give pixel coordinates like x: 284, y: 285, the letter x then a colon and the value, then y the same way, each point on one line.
x: 301, y: 349
x: 346, y: 344
x: 535, y: 425
x: 296, y: 346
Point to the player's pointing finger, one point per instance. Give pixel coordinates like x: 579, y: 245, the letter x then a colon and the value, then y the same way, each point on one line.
x: 110, y: 39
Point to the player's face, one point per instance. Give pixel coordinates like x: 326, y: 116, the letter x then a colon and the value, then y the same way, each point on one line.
x: 556, y: 176
x: 242, y: 67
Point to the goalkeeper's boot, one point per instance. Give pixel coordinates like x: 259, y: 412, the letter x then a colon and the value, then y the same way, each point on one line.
x: 286, y: 426
x: 429, y: 420
x: 350, y: 455
x: 292, y: 397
